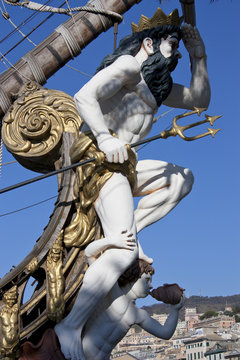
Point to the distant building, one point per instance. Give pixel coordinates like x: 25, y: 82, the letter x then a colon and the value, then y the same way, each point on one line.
x: 221, y: 321
x: 181, y: 328
x: 233, y: 355
x: 179, y: 341
x: 196, y: 348
x: 191, y: 317
x: 216, y: 352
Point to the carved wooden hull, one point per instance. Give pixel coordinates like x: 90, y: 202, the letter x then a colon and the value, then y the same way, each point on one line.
x: 32, y: 314
x: 37, y: 314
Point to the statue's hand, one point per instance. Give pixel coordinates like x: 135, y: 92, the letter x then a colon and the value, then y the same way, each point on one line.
x: 180, y: 304
x: 114, y: 149
x: 193, y: 41
x: 125, y: 240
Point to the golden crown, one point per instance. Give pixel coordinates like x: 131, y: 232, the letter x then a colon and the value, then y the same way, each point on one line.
x: 158, y: 19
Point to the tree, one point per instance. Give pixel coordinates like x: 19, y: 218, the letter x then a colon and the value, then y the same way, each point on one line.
x: 208, y: 314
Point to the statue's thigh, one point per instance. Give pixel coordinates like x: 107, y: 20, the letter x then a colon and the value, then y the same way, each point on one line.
x: 154, y: 174
x: 114, y: 206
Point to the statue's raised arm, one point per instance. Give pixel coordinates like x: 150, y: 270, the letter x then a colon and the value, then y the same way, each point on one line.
x: 199, y: 92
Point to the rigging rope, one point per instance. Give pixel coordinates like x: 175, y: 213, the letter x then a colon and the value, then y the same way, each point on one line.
x: 70, y: 40
x: 8, y: 163
x: 71, y: 67
x: 30, y: 32
x: 11, y: 65
x: 23, y: 23
x: 7, y: 17
x: 27, y: 207
x: 36, y: 6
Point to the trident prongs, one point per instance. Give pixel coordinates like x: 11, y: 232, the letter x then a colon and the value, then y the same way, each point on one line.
x: 179, y: 130
x: 213, y: 132
x: 212, y: 119
x: 199, y: 110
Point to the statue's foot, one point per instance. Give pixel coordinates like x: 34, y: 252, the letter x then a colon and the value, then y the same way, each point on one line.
x: 70, y: 342
x: 64, y: 336
x: 76, y: 347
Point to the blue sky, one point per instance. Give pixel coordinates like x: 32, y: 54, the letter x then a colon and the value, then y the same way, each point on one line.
x: 197, y: 244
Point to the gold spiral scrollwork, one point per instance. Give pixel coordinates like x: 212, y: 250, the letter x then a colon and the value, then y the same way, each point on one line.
x: 32, y: 128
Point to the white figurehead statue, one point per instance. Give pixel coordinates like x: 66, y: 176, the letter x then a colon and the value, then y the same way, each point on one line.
x: 123, y: 97
x: 118, y: 311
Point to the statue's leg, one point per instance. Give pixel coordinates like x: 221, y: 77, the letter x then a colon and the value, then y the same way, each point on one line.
x: 162, y: 186
x: 115, y: 209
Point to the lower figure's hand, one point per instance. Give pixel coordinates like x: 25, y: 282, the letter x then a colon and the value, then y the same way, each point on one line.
x: 125, y: 240
x: 193, y: 41
x: 180, y: 304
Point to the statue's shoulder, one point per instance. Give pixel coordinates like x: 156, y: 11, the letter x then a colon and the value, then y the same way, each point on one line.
x: 128, y: 63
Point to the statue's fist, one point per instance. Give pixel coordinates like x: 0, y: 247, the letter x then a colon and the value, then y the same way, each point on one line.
x: 114, y: 149
x: 193, y: 41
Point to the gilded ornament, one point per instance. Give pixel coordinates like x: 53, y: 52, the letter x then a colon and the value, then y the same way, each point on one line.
x: 9, y: 313
x: 55, y: 282
x: 32, y: 128
x: 32, y: 266
x: 158, y: 19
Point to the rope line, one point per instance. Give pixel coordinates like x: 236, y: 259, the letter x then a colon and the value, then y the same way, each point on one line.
x: 16, y: 27
x: 9, y: 163
x: 27, y: 207
x: 30, y: 32
x: 158, y: 117
x: 24, y: 22
x: 70, y: 40
x: 5, y: 102
x: 71, y: 67
x: 11, y: 65
x: 35, y: 67
x: 70, y: 11
x: 36, y: 6
x: 104, y: 20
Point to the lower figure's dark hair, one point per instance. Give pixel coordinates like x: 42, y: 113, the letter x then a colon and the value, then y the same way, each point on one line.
x: 135, y: 271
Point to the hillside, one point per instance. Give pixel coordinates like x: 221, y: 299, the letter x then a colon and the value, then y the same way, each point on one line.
x: 202, y: 303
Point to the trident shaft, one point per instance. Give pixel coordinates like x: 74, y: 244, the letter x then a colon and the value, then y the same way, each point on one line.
x: 174, y: 131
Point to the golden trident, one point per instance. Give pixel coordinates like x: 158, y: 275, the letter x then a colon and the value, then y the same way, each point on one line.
x: 174, y: 131
x: 179, y: 130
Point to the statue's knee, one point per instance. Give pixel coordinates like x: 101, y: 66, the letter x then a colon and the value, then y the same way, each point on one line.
x: 188, y: 180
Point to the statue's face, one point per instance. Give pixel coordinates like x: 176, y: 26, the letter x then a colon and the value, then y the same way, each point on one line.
x: 142, y: 286
x: 56, y: 253
x: 169, y: 46
x: 10, y: 300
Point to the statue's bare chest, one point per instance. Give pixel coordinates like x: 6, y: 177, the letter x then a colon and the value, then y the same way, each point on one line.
x: 132, y: 108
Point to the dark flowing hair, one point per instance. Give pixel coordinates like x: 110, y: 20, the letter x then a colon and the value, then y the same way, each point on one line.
x: 135, y: 271
x: 131, y: 44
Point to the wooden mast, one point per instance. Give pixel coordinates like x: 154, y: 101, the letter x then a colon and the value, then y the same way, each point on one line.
x: 56, y: 50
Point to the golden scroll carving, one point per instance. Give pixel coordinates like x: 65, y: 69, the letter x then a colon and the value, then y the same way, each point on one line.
x: 32, y: 128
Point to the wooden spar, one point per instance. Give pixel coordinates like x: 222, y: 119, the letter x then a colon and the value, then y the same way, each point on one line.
x: 53, y: 52
x: 188, y: 9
